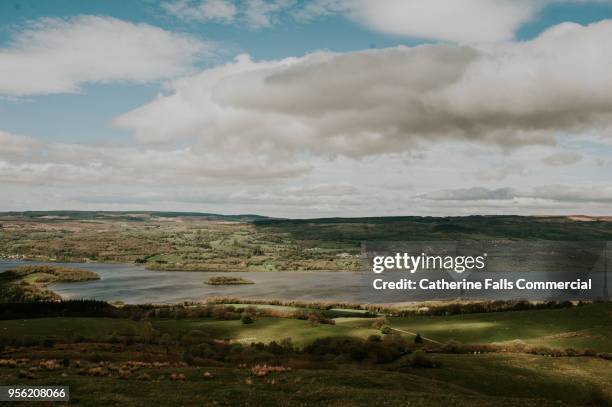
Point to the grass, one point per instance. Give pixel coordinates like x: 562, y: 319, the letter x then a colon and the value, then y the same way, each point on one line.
x: 264, y: 329
x: 67, y: 328
x: 486, y: 380
x: 573, y: 380
x: 588, y: 326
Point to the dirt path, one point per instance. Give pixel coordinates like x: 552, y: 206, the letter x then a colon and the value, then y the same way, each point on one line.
x: 414, y: 334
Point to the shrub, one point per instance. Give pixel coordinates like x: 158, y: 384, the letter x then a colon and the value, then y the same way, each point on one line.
x: 378, y: 323
x: 48, y: 342
x: 247, y: 318
x: 420, y: 360
x: 454, y: 347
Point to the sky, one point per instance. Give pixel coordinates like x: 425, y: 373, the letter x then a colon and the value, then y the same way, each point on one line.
x: 307, y: 109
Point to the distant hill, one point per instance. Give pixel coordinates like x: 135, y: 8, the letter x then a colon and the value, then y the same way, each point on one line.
x: 132, y: 216
x: 399, y: 228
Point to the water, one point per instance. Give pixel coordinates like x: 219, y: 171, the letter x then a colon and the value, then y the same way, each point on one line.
x: 133, y: 284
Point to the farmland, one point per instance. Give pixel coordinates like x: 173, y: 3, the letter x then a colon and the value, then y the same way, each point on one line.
x: 206, y: 242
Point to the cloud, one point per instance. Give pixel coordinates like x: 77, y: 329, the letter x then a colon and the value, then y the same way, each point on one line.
x: 465, y: 21
x: 574, y: 194
x: 11, y: 144
x: 390, y: 100
x: 255, y: 14
x: 558, y: 193
x: 562, y: 158
x: 500, y: 172
x: 471, y: 194
x: 54, y: 55
x: 24, y: 160
x: 207, y: 10
x: 263, y: 13
x: 446, y: 20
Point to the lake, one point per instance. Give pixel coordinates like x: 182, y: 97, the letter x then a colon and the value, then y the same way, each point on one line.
x: 134, y: 284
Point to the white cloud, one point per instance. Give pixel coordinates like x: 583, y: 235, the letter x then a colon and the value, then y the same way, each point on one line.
x: 263, y: 13
x: 471, y: 194
x: 559, y: 193
x: 11, y: 144
x: 24, y: 160
x: 255, y: 14
x: 389, y: 100
x: 446, y: 20
x: 47, y: 175
x: 562, y: 158
x: 206, y: 10
x: 465, y: 21
x: 53, y: 55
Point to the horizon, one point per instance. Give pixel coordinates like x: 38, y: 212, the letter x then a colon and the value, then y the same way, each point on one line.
x: 271, y: 217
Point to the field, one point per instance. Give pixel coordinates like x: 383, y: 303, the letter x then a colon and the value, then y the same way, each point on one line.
x: 207, y: 242
x: 589, y: 326
x: 98, y: 350
x: 485, y: 380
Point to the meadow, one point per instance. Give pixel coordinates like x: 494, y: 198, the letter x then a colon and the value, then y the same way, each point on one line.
x: 155, y: 360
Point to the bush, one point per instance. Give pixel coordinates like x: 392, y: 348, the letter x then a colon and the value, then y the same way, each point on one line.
x: 379, y: 323
x: 48, y: 342
x: 420, y: 360
x: 247, y: 318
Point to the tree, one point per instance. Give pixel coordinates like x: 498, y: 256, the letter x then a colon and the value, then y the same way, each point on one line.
x: 247, y: 319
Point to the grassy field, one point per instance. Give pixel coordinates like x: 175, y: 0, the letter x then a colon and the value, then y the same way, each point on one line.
x: 97, y: 352
x: 589, y: 326
x: 269, y: 329
x: 462, y: 380
x: 68, y: 328
x: 489, y: 380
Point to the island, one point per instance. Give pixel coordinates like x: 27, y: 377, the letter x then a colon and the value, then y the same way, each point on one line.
x: 228, y: 281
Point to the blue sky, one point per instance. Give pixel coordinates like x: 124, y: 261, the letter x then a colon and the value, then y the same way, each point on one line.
x: 97, y: 105
x: 146, y: 113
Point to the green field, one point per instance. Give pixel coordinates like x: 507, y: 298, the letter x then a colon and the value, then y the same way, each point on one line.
x: 64, y: 328
x: 589, y: 326
x: 98, y: 349
x: 269, y: 329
